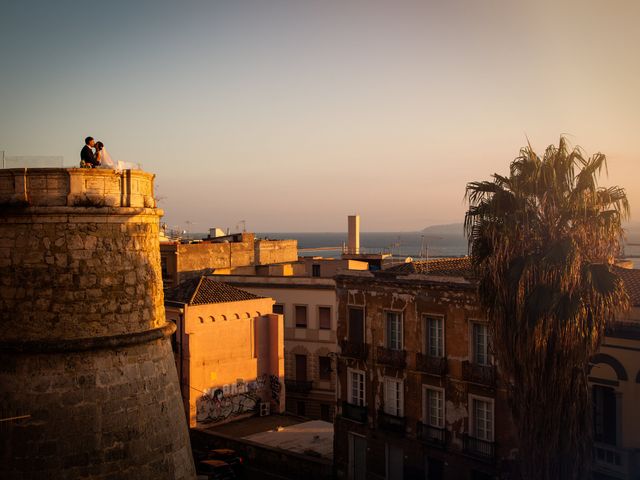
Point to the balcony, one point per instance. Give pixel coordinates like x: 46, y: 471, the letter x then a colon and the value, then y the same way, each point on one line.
x: 433, y: 436
x: 357, y: 413
x: 480, y: 449
x: 611, y: 460
x: 298, y: 386
x: 393, y: 358
x: 391, y: 423
x: 431, y: 365
x: 480, y: 374
x: 357, y: 350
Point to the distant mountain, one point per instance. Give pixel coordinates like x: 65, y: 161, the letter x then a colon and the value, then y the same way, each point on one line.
x: 449, y: 230
x: 457, y: 230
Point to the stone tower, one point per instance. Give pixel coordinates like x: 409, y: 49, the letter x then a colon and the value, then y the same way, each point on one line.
x: 87, y: 375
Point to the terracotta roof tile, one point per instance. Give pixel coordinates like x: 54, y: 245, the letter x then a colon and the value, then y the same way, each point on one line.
x: 202, y: 290
x: 631, y: 279
x: 443, y: 267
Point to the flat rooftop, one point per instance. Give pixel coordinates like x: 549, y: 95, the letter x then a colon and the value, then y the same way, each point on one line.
x: 314, y: 437
x: 286, y: 432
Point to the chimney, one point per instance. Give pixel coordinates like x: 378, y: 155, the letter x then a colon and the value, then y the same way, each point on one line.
x: 354, y: 234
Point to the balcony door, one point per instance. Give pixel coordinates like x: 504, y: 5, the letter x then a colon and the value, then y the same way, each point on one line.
x: 604, y: 415
x: 357, y: 457
x: 301, y: 368
x: 356, y: 325
x: 395, y: 463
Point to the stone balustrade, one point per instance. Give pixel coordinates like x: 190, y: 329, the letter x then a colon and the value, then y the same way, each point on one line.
x: 76, y: 187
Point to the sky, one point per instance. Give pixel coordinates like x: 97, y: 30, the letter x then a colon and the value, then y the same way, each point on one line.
x: 291, y: 115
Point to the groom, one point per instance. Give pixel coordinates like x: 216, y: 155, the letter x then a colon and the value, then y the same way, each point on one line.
x: 87, y: 156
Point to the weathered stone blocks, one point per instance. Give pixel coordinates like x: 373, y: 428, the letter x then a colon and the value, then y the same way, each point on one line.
x: 84, y: 352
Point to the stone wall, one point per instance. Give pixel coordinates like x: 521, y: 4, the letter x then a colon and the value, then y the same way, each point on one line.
x: 108, y: 413
x: 85, y: 349
x: 275, y: 251
x: 188, y: 260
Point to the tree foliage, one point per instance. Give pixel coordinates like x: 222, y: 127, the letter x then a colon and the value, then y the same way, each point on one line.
x: 542, y: 242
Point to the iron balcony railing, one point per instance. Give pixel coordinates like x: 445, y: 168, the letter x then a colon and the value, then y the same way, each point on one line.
x: 298, y: 386
x: 357, y: 413
x: 431, y: 365
x: 434, y: 436
x: 391, y: 423
x: 355, y: 350
x: 480, y: 374
x: 393, y: 358
x: 481, y: 449
x: 610, y: 459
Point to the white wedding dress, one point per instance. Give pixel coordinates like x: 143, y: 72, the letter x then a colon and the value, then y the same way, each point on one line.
x: 107, y: 162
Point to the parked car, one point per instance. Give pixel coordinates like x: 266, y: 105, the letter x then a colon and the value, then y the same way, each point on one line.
x: 215, y: 470
x: 226, y: 455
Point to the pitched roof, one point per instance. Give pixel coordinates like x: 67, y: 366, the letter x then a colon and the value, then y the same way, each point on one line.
x: 461, y: 267
x: 631, y: 279
x: 442, y: 267
x: 203, y: 290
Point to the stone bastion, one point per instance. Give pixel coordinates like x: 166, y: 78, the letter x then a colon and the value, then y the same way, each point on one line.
x: 87, y: 375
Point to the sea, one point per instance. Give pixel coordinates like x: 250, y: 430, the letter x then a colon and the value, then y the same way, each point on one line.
x: 417, y: 245
x: 399, y: 244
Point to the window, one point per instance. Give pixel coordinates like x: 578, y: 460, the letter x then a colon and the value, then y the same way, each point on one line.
x: 278, y: 308
x: 433, y: 407
x: 434, y: 326
x: 324, y: 364
x: 394, y: 330
x: 301, y: 316
x: 315, y: 270
x: 356, y: 324
x: 480, y: 343
x: 482, y: 421
x: 301, y: 408
x: 393, y: 397
x: 163, y: 267
x: 355, y: 387
x: 325, y: 412
x: 301, y: 368
x: 604, y: 414
x: 324, y: 316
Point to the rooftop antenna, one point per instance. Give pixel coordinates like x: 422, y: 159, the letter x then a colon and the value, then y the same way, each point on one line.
x: 189, y: 223
x: 244, y: 225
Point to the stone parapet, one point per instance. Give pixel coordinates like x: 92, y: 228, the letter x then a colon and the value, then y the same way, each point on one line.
x: 76, y: 187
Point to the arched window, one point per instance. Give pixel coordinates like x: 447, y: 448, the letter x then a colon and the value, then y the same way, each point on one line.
x: 614, y: 363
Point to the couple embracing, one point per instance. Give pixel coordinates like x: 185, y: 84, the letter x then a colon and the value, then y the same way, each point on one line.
x: 95, y: 155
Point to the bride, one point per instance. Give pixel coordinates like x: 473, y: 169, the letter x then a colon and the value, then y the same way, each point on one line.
x: 107, y: 162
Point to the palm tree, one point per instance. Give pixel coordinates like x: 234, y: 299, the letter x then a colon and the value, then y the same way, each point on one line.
x: 542, y: 242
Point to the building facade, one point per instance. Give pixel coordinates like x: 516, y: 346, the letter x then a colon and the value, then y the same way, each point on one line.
x: 304, y: 293
x: 419, y: 395
x: 614, y: 376
x: 229, y: 350
x: 418, y: 391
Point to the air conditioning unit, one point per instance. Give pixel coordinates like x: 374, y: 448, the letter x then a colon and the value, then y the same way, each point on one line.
x: 265, y: 409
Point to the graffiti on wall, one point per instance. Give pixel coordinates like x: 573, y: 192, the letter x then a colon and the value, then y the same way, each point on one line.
x: 275, y: 388
x: 233, y: 399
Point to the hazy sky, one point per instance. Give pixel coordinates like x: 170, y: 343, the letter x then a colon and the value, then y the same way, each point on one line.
x: 293, y: 114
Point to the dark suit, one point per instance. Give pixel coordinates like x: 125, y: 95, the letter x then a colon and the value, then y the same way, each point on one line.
x: 88, y: 156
